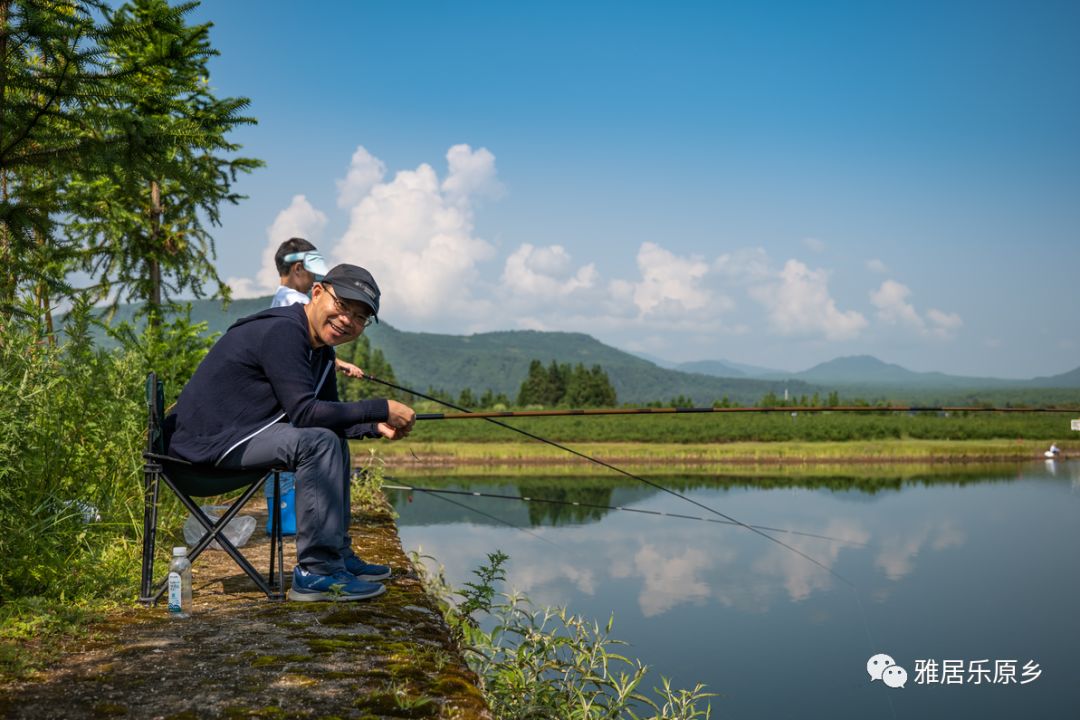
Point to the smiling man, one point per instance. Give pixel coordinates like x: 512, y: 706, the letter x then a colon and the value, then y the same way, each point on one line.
x: 266, y: 396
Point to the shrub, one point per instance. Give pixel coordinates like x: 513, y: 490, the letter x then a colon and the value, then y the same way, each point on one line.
x: 549, y: 663
x: 72, y: 425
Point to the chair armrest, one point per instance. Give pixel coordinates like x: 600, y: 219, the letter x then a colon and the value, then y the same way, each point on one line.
x: 167, y: 458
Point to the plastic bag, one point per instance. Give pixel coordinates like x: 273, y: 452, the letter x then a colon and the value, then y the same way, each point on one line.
x: 237, y: 531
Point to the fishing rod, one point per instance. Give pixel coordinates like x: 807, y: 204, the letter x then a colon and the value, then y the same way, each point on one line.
x: 437, y: 492
x: 485, y: 415
x: 619, y: 470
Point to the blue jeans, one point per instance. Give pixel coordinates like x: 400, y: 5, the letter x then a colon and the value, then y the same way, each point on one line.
x: 320, y: 460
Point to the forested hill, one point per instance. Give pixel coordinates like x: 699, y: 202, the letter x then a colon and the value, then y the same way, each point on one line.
x: 500, y: 361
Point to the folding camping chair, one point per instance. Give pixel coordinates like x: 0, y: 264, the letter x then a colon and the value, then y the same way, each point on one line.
x: 199, y: 481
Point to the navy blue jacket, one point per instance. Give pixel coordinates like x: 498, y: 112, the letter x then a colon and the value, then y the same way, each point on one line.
x: 263, y: 370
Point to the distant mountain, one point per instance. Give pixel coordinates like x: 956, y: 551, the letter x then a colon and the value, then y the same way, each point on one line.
x: 217, y: 319
x: 717, y: 368
x: 658, y: 361
x: 868, y: 370
x: 710, y: 367
x: 729, y: 368
x: 867, y: 376
x: 1070, y: 379
x: 752, y: 370
x: 500, y: 361
x: 864, y: 369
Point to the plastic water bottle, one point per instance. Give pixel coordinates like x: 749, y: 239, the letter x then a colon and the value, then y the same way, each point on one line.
x: 180, y: 584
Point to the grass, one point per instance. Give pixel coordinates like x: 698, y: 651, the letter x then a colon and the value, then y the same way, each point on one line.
x: 777, y: 427
x: 711, y: 443
x: 491, y: 458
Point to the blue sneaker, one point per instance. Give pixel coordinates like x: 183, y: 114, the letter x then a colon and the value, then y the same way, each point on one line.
x: 309, y: 587
x: 366, y: 571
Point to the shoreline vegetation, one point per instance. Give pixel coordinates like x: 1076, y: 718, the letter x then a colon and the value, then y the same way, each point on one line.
x: 698, y: 444
x: 425, y: 458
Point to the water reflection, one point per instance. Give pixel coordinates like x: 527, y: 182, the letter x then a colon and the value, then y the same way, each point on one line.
x: 898, y: 552
x: 942, y: 565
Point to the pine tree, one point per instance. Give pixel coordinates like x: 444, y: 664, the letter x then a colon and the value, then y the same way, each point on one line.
x: 373, y: 362
x: 143, y: 222
x: 52, y: 75
x: 588, y: 388
x: 558, y: 377
x: 111, y: 150
x: 534, y: 387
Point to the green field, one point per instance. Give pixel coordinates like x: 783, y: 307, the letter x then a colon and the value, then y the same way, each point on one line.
x: 772, y: 427
x: 806, y: 443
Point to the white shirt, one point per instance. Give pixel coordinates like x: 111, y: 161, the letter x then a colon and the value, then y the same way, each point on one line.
x: 287, y: 296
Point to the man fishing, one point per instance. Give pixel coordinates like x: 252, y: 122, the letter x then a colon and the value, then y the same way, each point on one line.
x: 299, y: 265
x: 265, y: 396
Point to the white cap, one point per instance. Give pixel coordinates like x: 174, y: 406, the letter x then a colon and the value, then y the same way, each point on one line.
x: 178, y: 551
x: 313, y: 262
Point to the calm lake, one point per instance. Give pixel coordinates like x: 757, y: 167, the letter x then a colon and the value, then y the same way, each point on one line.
x: 965, y: 580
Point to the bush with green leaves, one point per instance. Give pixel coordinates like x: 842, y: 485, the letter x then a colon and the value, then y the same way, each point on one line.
x: 72, y: 428
x: 549, y: 663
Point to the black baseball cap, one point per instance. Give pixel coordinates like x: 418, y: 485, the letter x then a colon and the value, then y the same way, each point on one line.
x: 352, y: 282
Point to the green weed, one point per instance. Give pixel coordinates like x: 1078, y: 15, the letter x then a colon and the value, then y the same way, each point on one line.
x: 541, y: 663
x: 72, y: 424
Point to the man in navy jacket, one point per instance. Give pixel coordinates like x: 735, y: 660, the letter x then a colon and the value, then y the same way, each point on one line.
x: 266, y: 396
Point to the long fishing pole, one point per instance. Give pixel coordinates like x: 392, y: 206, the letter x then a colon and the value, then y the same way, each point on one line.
x: 485, y: 415
x: 619, y: 470
x: 594, y: 506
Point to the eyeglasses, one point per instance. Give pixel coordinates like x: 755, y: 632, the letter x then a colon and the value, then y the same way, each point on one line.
x: 342, y: 309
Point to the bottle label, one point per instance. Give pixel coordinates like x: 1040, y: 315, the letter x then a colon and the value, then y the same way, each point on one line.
x: 174, y: 593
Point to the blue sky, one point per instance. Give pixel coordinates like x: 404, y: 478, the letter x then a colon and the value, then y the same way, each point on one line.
x: 770, y: 183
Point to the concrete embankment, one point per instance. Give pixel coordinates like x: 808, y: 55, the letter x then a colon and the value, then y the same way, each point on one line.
x: 242, y: 656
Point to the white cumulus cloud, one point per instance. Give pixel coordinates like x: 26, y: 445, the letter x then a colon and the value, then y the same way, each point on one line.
x: 417, y: 237
x: 299, y: 219
x: 365, y: 172
x: 875, y: 265
x: 670, y: 286
x: 891, y: 301
x: 472, y: 174
x: 746, y: 265
x: 943, y: 324
x: 893, y: 308
x: 798, y: 303
x: 545, y: 273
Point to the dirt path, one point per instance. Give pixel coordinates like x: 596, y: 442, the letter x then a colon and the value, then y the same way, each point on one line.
x: 242, y: 656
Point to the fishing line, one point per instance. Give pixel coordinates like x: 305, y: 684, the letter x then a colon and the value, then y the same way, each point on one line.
x: 619, y: 470
x: 491, y: 517
x: 575, y: 503
x: 858, y: 598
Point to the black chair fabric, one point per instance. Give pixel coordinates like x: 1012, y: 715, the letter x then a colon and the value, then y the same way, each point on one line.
x: 188, y: 481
